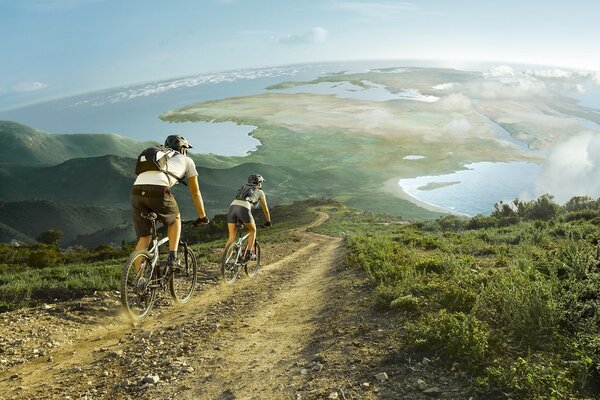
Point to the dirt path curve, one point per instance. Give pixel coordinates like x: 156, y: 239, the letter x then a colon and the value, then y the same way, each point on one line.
x: 240, y: 341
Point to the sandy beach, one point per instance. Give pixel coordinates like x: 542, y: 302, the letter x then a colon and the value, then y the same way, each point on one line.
x: 392, y: 187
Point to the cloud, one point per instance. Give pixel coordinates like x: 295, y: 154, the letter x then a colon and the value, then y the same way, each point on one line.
x: 444, y: 86
x: 572, y: 168
x: 28, y: 86
x: 456, y: 102
x: 315, y: 35
x: 457, y: 126
x: 500, y: 71
x: 379, y: 10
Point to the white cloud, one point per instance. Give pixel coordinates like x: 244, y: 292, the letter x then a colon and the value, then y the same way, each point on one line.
x: 457, y: 126
x: 500, y: 71
x: 315, y: 35
x: 444, y: 86
x: 456, y: 102
x: 572, y: 168
x: 28, y: 86
x: 380, y: 9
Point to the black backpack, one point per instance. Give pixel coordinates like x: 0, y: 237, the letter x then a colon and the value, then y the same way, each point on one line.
x: 155, y: 159
x: 248, y: 193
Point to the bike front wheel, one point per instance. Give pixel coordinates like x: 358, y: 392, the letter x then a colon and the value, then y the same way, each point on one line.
x: 229, y: 263
x: 184, y: 277
x: 253, y: 264
x: 137, y: 291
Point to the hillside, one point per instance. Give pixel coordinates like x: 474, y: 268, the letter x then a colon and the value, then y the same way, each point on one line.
x: 23, y: 145
x: 493, y: 307
x: 30, y: 218
x: 290, y: 332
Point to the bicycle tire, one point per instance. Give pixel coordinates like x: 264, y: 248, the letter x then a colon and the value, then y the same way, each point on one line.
x: 137, y: 295
x: 182, y: 281
x: 229, y: 265
x: 252, y: 266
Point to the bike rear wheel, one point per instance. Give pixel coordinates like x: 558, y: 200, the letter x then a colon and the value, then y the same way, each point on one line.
x: 137, y: 289
x: 183, y: 278
x: 253, y: 264
x: 229, y: 263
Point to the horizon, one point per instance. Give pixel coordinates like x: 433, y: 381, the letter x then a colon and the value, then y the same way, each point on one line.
x: 62, y: 48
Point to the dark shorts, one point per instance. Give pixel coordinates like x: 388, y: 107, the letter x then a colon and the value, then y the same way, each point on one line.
x: 146, y: 198
x: 239, y: 213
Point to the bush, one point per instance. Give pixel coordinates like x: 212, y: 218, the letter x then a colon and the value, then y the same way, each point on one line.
x: 457, y: 335
x: 536, y: 377
x: 44, y: 258
x: 524, y: 308
x: 405, y: 303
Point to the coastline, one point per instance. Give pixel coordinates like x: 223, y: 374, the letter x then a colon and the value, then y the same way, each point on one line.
x: 392, y: 187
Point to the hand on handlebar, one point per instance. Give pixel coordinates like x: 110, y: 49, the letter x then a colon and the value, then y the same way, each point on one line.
x: 201, y: 221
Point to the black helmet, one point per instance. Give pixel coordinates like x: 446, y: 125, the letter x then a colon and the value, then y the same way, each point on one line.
x: 176, y: 142
x: 255, y: 179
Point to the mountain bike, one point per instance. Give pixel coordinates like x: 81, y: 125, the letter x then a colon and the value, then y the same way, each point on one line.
x: 146, y: 271
x: 233, y: 257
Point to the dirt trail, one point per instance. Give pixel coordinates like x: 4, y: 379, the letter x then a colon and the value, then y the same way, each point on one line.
x: 244, y: 341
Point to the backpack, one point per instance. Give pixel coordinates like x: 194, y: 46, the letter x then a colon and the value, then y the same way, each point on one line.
x: 248, y: 193
x: 155, y: 159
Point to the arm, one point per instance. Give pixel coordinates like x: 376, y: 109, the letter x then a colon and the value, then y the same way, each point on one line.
x: 196, y: 196
x: 265, y: 208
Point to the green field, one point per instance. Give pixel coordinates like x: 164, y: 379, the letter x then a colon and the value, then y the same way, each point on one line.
x: 511, y: 299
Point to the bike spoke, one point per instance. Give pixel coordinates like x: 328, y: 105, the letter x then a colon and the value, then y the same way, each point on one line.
x: 137, y: 292
x: 183, y: 278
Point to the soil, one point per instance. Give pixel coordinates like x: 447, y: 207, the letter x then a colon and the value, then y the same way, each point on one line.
x: 304, y: 328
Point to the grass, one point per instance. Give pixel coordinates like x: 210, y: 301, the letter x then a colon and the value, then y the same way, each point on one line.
x: 34, y: 274
x: 512, y: 297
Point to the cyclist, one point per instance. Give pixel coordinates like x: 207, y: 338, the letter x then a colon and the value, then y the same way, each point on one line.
x: 152, y: 192
x: 240, y: 209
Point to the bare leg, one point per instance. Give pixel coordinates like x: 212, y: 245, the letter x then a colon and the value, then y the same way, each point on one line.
x: 142, y: 244
x: 231, y: 231
x: 252, y: 231
x: 174, y: 233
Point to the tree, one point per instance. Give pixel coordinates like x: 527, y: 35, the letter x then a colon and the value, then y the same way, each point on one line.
x: 544, y: 208
x: 51, y: 237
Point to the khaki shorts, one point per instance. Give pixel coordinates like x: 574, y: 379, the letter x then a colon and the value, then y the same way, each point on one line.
x: 146, y: 198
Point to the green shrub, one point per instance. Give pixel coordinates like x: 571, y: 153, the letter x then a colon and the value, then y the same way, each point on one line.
x: 44, y: 258
x: 536, y: 377
x: 457, y: 335
x: 522, y: 307
x: 408, y: 303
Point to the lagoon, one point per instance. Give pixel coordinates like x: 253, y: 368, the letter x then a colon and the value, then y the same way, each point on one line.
x: 480, y: 186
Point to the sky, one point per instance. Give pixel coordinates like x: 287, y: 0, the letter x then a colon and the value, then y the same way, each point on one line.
x: 55, y: 48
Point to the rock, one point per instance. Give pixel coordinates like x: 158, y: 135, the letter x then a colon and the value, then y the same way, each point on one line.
x: 153, y: 379
x: 432, y: 390
x: 381, y: 377
x: 116, y: 354
x: 303, y: 371
x: 366, y: 384
x: 317, y: 367
x: 333, y: 395
x: 421, y: 384
x: 426, y: 361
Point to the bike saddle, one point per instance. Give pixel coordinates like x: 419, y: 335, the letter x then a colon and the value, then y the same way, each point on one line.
x: 150, y: 216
